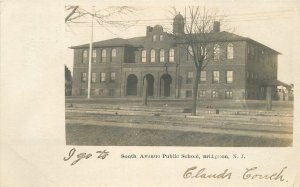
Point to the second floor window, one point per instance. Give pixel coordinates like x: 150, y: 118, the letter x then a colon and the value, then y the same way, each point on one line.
x: 152, y: 55
x: 216, y: 52
x: 161, y: 55
x: 102, y: 77
x: 94, y: 59
x: 93, y: 77
x: 203, y: 77
x: 248, y: 77
x: 83, y: 77
x: 85, y: 56
x: 215, y: 77
x: 161, y: 37
x: 112, y: 76
x: 190, y: 53
x: 103, y: 55
x: 171, y: 55
x: 144, y: 55
x: 229, y: 76
x: 190, y: 76
x: 230, y: 51
x: 113, y: 53
x: 154, y: 38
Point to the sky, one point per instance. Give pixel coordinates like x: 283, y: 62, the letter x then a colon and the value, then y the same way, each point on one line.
x: 274, y: 25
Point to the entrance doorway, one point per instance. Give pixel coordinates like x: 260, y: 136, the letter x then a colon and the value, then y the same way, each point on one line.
x: 131, y: 86
x: 165, y: 85
x: 150, y: 81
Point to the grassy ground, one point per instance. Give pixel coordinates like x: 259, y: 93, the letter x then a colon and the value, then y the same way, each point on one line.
x: 126, y: 122
x: 118, y: 136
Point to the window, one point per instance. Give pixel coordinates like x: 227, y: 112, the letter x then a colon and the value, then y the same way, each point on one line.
x: 113, y: 53
x: 228, y: 94
x: 112, y: 76
x: 83, y: 91
x: 101, y: 92
x: 229, y: 76
x: 252, y: 77
x: 102, y: 77
x: 230, y: 51
x: 256, y: 77
x: 190, y: 76
x: 93, y: 91
x: 85, y: 56
x: 201, y: 93
x: 215, y: 77
x: 188, y: 94
x: 190, y: 53
x: 214, y: 94
x: 161, y: 37
x: 83, y: 77
x: 111, y: 92
x: 204, y: 52
x: 161, y: 55
x: 152, y: 55
x: 94, y: 56
x: 104, y: 55
x: 93, y: 77
x: 154, y: 38
x: 171, y: 55
x: 203, y: 77
x: 248, y: 77
x: 144, y: 55
x: 216, y: 52
x: 248, y: 50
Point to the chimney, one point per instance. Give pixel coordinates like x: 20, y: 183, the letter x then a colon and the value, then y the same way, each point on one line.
x: 216, y: 27
x: 149, y: 30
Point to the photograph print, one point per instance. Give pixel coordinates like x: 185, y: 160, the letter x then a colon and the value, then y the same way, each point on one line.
x: 188, y: 75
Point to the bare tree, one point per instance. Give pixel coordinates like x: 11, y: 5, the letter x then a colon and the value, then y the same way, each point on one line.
x: 199, y: 40
x: 103, y: 17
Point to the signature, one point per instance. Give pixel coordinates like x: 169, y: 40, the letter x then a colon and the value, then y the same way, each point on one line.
x: 77, y: 157
x: 253, y: 173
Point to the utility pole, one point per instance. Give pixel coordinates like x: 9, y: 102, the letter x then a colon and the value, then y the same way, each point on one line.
x: 90, y: 56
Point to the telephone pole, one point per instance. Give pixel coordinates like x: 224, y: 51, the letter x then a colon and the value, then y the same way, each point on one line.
x: 90, y: 56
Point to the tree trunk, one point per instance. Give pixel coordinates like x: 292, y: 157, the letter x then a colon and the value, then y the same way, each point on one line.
x: 145, y: 91
x: 195, y: 91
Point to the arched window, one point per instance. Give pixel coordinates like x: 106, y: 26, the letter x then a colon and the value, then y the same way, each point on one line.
x: 161, y: 55
x: 85, y: 56
x: 230, y: 51
x: 216, y: 52
x: 171, y: 55
x: 113, y: 53
x: 144, y: 56
x: 103, y: 55
x: 190, y: 53
x: 152, y: 55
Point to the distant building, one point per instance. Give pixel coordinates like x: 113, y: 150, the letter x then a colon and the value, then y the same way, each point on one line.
x: 119, y: 66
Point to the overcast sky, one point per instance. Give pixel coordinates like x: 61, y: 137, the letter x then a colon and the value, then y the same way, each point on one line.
x: 274, y: 25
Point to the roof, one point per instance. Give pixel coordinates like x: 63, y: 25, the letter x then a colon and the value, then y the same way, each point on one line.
x: 274, y: 83
x: 139, y: 41
x: 115, y: 42
x: 227, y: 36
